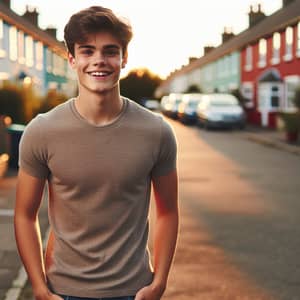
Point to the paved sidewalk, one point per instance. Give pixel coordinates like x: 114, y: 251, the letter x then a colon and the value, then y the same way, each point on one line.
x: 271, y: 138
x: 12, y: 275
x: 9, y: 260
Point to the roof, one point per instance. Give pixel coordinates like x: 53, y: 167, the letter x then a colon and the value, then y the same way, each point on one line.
x: 37, y: 33
x: 278, y: 21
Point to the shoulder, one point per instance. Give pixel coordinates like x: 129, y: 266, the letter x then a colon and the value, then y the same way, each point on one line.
x: 141, y: 114
x: 57, y: 112
x: 45, y: 121
x: 151, y: 124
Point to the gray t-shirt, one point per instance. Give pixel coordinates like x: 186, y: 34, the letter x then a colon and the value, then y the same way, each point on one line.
x: 99, y: 180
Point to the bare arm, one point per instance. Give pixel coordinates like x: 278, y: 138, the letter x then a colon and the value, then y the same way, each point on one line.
x: 165, y: 235
x: 27, y: 230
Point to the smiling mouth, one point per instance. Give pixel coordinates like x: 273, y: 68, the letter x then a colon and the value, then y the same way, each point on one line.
x: 101, y: 74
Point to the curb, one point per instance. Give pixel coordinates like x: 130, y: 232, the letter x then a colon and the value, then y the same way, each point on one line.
x: 271, y: 143
x: 19, y: 282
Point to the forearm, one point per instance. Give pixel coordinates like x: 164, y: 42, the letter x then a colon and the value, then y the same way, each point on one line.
x: 165, y: 238
x: 28, y: 238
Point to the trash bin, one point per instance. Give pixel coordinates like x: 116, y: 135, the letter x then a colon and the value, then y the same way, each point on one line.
x: 15, y: 132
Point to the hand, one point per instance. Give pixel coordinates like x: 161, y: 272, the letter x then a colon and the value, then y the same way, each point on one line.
x: 48, y: 296
x: 149, y: 292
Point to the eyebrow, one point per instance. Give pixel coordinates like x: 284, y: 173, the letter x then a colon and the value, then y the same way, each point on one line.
x: 109, y: 46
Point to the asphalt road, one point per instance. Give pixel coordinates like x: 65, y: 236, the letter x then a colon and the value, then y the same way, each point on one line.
x: 240, y: 231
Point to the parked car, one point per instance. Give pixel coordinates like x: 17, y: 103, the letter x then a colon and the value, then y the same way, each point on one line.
x: 164, y: 104
x: 170, y: 105
x: 4, y: 144
x: 152, y: 104
x: 187, y: 108
x: 220, y: 111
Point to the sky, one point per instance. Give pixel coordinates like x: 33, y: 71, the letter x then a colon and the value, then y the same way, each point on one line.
x: 166, y: 32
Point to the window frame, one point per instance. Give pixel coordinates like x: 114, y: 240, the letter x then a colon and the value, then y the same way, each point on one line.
x: 262, y: 53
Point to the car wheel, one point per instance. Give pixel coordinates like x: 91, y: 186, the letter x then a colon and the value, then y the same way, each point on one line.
x: 206, y: 125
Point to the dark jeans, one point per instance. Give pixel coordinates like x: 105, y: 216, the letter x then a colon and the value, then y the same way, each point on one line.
x: 80, y: 298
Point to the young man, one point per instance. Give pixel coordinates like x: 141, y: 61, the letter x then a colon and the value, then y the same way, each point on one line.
x: 99, y: 154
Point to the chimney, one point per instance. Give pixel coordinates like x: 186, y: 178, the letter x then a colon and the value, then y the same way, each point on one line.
x: 191, y: 59
x: 255, y: 16
x: 31, y: 15
x: 51, y: 31
x: 6, y: 2
x: 207, y: 49
x: 286, y: 2
x: 227, y: 35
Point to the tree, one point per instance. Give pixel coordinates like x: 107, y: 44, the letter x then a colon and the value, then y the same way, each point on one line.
x: 139, y: 84
x: 237, y: 93
x: 296, y: 97
x: 12, y: 104
x: 194, y: 88
x: 51, y: 100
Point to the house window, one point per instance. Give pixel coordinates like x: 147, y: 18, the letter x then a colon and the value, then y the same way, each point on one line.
x: 288, y: 44
x: 13, y: 39
x: 2, y: 52
x: 55, y: 64
x: 227, y: 65
x: 248, y: 94
x: 49, y: 60
x: 291, y: 83
x: 262, y: 53
x: 298, y: 39
x: 249, y: 59
x: 275, y: 96
x: 21, y: 53
x: 234, y: 65
x: 39, y: 55
x: 29, y: 51
x: 276, y: 48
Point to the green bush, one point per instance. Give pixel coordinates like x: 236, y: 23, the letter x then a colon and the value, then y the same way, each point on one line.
x: 291, y: 121
x: 296, y: 98
x: 52, y: 99
x: 12, y: 104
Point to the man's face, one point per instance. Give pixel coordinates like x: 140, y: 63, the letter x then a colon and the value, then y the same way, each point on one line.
x: 98, y: 63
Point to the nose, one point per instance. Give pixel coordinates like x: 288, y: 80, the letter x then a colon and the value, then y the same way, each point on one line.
x: 99, y: 59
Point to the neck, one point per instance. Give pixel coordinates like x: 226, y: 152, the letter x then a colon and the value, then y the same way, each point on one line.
x: 99, y: 109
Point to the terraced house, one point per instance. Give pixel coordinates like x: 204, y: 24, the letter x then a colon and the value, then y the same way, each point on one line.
x: 262, y: 62
x: 30, y: 55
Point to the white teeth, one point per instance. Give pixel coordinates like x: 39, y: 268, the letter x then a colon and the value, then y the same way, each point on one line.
x: 99, y: 73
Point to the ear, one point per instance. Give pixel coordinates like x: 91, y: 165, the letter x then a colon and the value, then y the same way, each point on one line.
x: 124, y: 60
x: 71, y: 60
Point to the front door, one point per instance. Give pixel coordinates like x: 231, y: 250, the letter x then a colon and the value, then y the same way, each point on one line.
x: 269, y: 99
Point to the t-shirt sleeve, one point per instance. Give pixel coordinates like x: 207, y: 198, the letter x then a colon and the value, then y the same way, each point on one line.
x: 167, y: 156
x: 32, y: 150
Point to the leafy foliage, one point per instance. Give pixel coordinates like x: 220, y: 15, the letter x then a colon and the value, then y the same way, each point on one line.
x: 296, y: 98
x: 12, y: 104
x: 52, y: 99
x: 291, y: 121
x: 193, y: 89
x: 139, y: 84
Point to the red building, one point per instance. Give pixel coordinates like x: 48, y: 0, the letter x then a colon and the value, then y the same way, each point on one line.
x: 270, y: 63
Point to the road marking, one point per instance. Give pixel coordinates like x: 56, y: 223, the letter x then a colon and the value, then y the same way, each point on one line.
x: 19, y: 282
x: 7, y: 212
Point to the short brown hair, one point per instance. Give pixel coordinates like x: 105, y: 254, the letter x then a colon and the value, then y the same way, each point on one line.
x: 96, y: 19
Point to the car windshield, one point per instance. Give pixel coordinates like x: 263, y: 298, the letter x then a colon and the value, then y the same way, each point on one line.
x: 193, y: 104
x: 224, y: 102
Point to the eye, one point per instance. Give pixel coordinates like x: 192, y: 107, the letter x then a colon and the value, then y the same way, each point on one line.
x: 111, y: 52
x: 86, y: 52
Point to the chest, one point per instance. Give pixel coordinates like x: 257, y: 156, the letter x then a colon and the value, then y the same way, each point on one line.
x: 96, y: 158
